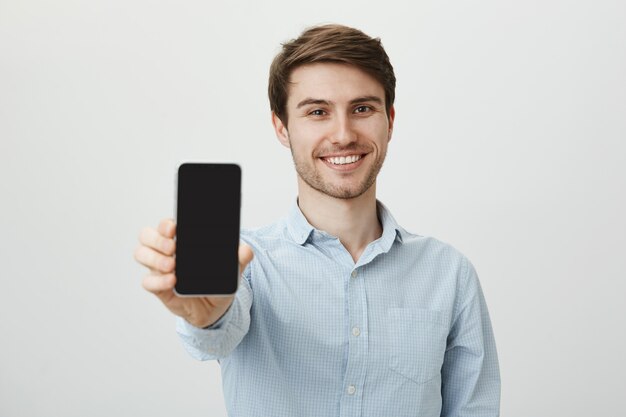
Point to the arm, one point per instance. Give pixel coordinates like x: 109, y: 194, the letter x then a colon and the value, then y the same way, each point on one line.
x: 470, y: 372
x: 222, y: 337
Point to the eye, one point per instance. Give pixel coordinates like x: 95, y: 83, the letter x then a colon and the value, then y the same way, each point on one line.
x: 362, y: 109
x: 318, y: 112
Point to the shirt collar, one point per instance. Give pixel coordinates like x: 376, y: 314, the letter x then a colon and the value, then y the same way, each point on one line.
x: 298, y: 226
x: 391, y: 229
x: 300, y: 229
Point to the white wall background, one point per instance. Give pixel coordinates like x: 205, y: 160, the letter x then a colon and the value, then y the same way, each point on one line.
x: 509, y: 144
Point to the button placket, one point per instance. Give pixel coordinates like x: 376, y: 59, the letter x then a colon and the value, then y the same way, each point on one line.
x: 354, y: 376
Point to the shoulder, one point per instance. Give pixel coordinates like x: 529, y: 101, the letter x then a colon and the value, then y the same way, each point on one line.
x: 433, y: 249
x: 441, y: 258
x: 268, y: 238
x: 446, y: 264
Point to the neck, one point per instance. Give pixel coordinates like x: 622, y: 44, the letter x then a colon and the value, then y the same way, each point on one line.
x: 354, y: 221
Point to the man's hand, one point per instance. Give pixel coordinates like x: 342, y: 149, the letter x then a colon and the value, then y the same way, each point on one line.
x: 156, y: 251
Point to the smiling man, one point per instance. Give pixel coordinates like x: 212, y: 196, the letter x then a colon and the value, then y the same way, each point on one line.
x: 337, y: 126
x: 341, y: 312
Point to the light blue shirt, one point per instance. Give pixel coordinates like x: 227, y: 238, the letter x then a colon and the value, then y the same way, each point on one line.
x: 403, y: 332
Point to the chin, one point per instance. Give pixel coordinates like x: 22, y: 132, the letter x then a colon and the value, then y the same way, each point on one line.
x: 344, y: 193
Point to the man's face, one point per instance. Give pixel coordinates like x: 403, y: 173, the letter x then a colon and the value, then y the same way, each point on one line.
x: 337, y: 128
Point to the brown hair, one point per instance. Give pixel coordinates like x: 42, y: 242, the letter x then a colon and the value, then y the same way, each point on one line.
x: 329, y: 43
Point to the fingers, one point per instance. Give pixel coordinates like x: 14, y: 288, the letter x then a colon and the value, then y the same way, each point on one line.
x: 245, y: 256
x: 154, y: 260
x: 159, y: 284
x: 157, y: 240
x: 167, y: 228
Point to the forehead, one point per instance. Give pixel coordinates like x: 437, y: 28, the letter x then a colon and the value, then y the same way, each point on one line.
x: 331, y: 81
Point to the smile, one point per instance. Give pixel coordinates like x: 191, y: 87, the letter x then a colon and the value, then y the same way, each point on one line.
x: 343, y: 160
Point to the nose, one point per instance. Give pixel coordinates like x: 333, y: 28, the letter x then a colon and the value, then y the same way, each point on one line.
x: 343, y: 132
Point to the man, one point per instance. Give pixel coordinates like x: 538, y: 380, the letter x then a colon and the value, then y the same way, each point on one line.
x: 341, y: 312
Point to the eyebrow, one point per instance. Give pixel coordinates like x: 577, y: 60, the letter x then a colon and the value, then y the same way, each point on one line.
x: 308, y: 101
x: 363, y: 99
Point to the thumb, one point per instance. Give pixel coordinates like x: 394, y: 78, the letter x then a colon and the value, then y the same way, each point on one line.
x: 245, y: 256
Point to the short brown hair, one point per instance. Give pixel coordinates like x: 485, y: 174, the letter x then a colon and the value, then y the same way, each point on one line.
x: 329, y: 43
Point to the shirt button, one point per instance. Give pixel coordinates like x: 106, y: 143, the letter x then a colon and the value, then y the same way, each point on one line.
x: 353, y: 275
x: 356, y: 331
x: 351, y: 389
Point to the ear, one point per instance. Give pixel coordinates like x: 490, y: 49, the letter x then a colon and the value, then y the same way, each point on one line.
x: 281, y: 130
x: 392, y: 116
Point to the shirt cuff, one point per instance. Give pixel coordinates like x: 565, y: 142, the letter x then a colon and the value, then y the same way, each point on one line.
x: 222, y: 319
x: 190, y: 329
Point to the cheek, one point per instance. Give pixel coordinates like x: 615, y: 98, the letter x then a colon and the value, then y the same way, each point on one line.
x: 375, y: 132
x: 375, y: 124
x: 305, y: 137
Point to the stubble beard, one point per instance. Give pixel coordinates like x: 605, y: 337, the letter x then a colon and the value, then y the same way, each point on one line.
x: 310, y: 175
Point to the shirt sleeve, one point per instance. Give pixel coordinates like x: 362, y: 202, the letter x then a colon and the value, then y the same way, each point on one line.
x: 470, y: 372
x: 221, y: 338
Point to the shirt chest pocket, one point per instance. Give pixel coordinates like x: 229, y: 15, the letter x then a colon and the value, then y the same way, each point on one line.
x: 416, y: 342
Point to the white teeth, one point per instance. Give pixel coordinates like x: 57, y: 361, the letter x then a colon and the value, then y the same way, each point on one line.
x: 342, y: 160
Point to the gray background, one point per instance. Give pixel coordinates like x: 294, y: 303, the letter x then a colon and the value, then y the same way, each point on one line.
x: 508, y: 144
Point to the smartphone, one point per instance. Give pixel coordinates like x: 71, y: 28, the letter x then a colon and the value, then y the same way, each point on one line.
x: 208, y: 205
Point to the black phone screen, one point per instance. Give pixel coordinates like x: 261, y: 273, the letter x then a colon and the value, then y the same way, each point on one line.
x: 207, y: 229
